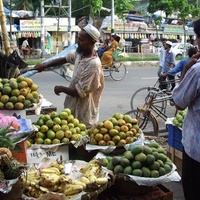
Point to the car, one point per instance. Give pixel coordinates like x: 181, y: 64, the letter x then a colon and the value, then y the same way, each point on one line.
x: 180, y: 49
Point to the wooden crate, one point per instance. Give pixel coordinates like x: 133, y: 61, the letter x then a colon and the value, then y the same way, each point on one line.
x: 157, y: 193
x: 176, y: 157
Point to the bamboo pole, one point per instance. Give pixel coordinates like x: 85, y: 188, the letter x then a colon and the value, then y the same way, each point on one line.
x: 4, y: 30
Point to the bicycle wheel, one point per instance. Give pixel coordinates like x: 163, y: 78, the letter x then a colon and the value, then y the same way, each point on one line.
x: 138, y: 99
x: 146, y: 121
x: 118, y: 71
x: 106, y: 72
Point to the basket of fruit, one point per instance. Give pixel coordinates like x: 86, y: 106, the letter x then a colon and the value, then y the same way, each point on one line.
x: 75, y: 179
x: 117, y: 131
x: 140, y: 168
x: 18, y: 93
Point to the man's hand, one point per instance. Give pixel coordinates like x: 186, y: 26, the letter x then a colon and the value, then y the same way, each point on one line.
x: 40, y: 67
x: 58, y: 90
x: 163, y: 74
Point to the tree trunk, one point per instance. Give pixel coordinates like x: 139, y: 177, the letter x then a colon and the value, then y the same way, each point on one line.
x: 6, y: 42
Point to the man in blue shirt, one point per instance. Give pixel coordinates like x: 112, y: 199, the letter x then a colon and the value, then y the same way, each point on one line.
x: 180, y: 66
x: 169, y: 63
x: 187, y: 95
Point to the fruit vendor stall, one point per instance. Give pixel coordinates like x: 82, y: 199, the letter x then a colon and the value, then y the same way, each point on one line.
x: 60, y: 156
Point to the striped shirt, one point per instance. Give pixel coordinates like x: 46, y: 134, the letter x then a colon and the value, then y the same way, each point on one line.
x: 187, y: 94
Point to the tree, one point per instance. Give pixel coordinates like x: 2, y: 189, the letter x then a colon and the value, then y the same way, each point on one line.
x: 95, y: 6
x: 123, y: 6
x: 164, y: 5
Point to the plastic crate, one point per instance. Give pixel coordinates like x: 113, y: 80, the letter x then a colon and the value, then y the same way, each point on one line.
x: 175, y: 137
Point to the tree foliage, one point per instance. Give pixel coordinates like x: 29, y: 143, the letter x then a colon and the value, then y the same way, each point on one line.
x: 122, y: 6
x: 182, y: 8
x: 95, y: 6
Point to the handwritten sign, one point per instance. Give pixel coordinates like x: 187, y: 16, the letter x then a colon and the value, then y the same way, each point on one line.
x: 36, y: 155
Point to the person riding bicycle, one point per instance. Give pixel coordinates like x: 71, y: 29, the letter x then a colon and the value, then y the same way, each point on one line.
x: 180, y: 66
x: 107, y: 57
x: 104, y: 47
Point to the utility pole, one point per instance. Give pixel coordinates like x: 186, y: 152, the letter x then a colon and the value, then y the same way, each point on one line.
x: 58, y: 4
x: 112, y: 16
x: 42, y: 28
x: 69, y: 22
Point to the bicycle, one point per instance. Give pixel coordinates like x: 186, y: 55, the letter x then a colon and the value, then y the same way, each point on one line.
x: 153, y: 107
x: 138, y: 97
x: 117, y: 71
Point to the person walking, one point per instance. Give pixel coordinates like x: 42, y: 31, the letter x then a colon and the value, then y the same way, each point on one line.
x: 180, y: 66
x: 187, y: 95
x: 168, y: 64
x: 84, y: 92
x: 26, y: 48
x: 161, y: 56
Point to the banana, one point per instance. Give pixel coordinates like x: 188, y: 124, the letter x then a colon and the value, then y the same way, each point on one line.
x: 73, y: 189
x: 50, y: 170
x: 50, y: 179
x: 84, y: 180
x: 101, y: 181
x: 63, y: 186
x: 65, y: 178
x: 55, y: 188
x: 92, y: 178
x: 75, y: 182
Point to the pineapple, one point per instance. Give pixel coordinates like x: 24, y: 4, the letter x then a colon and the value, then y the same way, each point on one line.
x: 10, y: 168
x: 5, y: 139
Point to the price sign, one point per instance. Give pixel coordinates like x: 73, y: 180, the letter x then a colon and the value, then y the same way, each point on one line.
x: 36, y: 155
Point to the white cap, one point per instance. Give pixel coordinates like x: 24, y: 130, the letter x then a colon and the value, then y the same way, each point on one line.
x: 92, y: 31
x: 169, y: 43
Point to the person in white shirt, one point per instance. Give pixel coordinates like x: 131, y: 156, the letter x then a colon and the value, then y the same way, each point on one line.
x: 161, y: 56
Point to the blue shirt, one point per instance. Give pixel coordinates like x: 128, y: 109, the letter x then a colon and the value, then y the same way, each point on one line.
x: 187, y: 94
x: 169, y: 59
x: 179, y: 67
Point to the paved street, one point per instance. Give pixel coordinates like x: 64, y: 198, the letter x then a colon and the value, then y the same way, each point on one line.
x: 116, y: 97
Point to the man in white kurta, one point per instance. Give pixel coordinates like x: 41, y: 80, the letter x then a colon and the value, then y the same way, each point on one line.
x: 89, y: 82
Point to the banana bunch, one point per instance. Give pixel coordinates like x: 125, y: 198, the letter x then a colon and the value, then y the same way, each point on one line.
x: 30, y: 183
x: 52, y: 179
x: 92, y: 174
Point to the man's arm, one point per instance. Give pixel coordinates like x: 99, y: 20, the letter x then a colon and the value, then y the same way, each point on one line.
x: 42, y: 66
x: 192, y: 61
x: 67, y: 90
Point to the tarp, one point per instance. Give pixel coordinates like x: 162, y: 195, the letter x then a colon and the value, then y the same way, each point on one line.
x: 7, y: 13
x: 62, y: 70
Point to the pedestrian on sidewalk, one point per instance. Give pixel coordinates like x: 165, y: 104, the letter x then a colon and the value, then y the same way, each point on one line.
x: 161, y: 56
